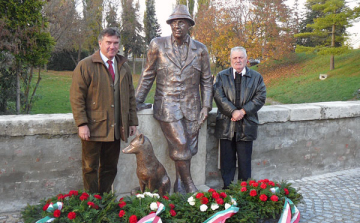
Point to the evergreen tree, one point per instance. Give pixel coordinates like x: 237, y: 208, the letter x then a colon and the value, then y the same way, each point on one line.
x: 326, y: 35
x: 111, y: 17
x: 131, y: 28
x: 151, y: 26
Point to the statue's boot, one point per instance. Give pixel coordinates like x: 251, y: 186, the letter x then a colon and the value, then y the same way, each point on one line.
x: 178, y: 185
x: 183, y: 167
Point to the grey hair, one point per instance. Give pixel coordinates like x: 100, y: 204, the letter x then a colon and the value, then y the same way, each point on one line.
x: 109, y: 31
x: 238, y: 48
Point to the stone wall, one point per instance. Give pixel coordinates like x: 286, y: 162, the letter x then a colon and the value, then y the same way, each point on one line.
x: 40, y: 155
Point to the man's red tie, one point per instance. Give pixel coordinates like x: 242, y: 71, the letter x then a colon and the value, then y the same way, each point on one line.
x: 111, y: 69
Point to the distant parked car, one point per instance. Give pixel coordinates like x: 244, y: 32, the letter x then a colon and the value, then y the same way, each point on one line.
x: 253, y: 62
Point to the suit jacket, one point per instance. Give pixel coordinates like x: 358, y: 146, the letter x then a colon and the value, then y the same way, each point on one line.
x: 177, y: 93
x: 252, y: 98
x: 92, y: 98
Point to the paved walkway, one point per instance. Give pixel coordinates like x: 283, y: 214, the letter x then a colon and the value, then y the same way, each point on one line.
x: 328, y: 198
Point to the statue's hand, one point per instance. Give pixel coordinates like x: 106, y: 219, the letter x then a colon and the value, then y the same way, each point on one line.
x: 203, y: 115
x: 142, y: 106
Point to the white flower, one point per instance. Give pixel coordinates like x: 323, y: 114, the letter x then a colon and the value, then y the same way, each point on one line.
x: 155, y: 195
x: 214, y: 206
x: 148, y: 194
x: 153, y: 206
x: 140, y: 196
x: 191, y: 201
x: 227, y: 205
x: 203, y: 207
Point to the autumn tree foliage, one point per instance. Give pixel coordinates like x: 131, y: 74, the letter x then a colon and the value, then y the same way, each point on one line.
x: 328, y: 28
x: 265, y: 28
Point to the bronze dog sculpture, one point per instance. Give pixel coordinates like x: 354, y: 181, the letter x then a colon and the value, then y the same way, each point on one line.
x: 150, y: 171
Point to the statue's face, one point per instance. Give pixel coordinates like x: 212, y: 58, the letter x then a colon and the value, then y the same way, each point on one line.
x: 179, y: 28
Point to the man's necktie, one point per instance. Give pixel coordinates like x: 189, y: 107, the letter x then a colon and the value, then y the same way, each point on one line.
x: 111, y: 69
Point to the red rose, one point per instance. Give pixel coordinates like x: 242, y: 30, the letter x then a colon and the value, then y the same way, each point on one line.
x: 274, y: 198
x: 172, y: 212
x: 251, y: 182
x: 286, y: 191
x: 121, y: 213
x: 85, y: 194
x: 255, y: 184
x: 271, y: 183
x: 215, y: 195
x: 73, y: 192
x: 223, y: 194
x: 45, y: 207
x: 91, y: 204
x: 57, y: 213
x: 204, y: 200
x: 172, y: 206
x: 253, y: 193
x: 263, y: 186
x: 166, y: 197
x: 71, y: 215
x: 243, y: 189
x: 266, y: 181
x: 60, y: 197
x: 121, y: 199
x: 83, y: 198
x: 211, y: 190
x: 243, y: 184
x: 260, y: 181
x: 219, y: 201
x: 199, y: 195
x: 97, y: 196
x: 133, y: 219
x: 122, y: 204
x: 263, y: 197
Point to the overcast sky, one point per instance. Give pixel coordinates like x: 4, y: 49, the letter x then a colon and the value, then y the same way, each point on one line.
x: 165, y: 7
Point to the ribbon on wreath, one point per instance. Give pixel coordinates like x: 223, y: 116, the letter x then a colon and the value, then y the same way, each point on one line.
x: 221, y: 216
x: 52, y: 207
x: 290, y: 213
x: 153, y: 217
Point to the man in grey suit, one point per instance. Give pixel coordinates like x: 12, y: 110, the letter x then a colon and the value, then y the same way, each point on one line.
x: 180, y: 66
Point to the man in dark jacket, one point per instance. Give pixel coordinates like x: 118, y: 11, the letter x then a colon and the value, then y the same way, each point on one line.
x: 239, y: 93
x: 103, y: 103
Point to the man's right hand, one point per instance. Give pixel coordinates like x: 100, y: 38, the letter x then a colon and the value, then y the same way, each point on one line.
x: 84, y: 132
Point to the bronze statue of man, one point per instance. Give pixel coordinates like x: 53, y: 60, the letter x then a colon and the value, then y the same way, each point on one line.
x: 183, y: 96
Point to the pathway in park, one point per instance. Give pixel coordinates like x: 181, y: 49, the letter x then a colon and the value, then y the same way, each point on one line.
x: 328, y: 198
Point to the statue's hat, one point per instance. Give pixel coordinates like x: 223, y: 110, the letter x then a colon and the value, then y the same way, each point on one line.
x: 180, y: 12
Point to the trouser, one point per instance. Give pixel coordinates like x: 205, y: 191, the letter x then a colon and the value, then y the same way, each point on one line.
x: 182, y: 138
x: 99, y: 165
x: 228, y: 151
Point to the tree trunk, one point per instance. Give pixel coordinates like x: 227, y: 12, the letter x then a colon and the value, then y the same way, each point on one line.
x: 332, y: 62
x: 18, y: 89
x: 133, y: 63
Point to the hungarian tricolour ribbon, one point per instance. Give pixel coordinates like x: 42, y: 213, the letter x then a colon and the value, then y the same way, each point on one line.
x: 52, y: 207
x: 153, y: 217
x: 221, y: 216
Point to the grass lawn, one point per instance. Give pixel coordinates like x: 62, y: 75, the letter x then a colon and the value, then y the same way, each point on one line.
x: 292, y: 80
